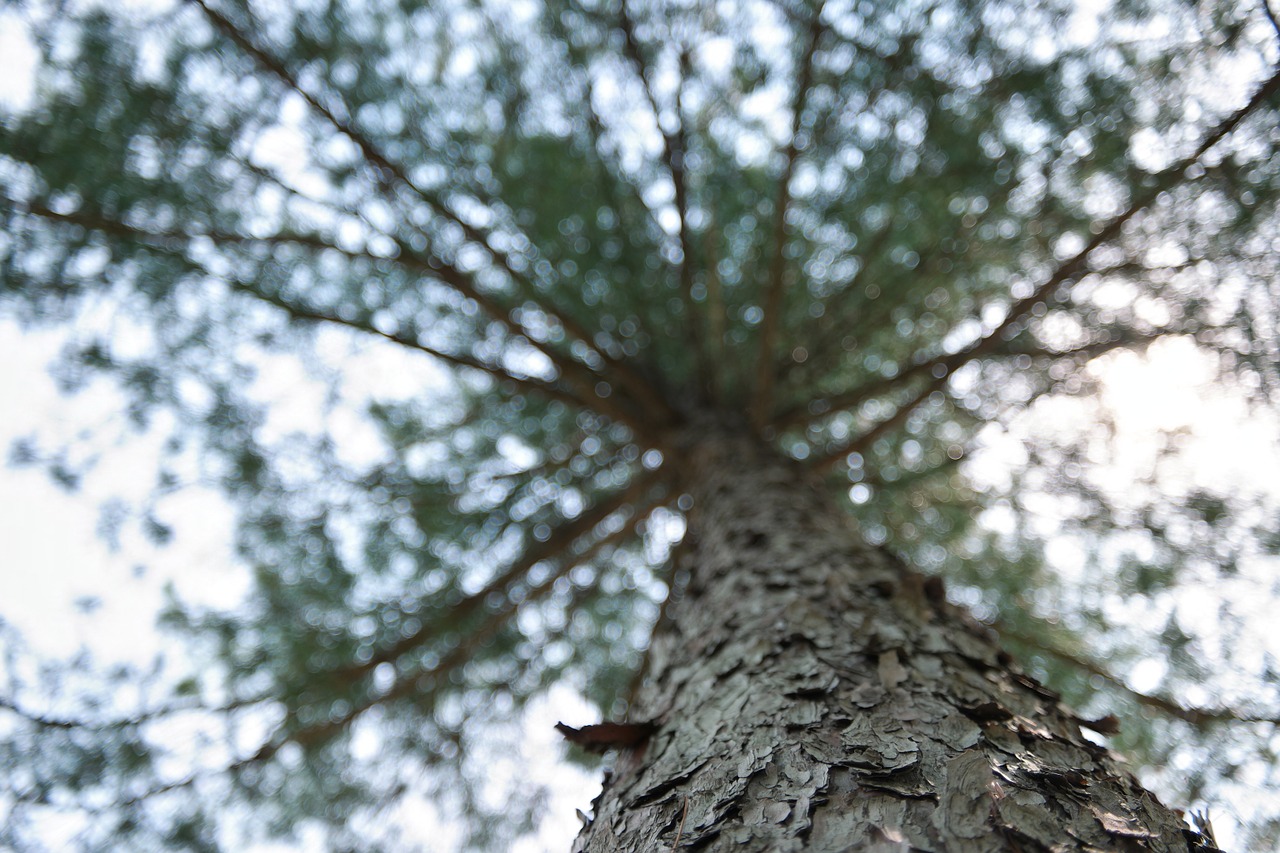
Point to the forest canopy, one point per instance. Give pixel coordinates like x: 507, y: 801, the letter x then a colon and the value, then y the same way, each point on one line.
x: 423, y: 290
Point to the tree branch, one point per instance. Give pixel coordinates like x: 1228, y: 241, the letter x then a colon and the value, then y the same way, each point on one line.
x: 1094, y: 349
x: 674, y: 154
x: 641, y: 388
x: 678, y: 160
x: 871, y: 436
x: 826, y: 344
x: 717, y: 314
x: 775, y: 288
x: 66, y: 723
x: 556, y: 544
x: 527, y: 383
x: 1160, y: 182
x: 171, y: 241
x: 1199, y: 717
x: 942, y: 367
x: 1087, y: 352
x: 422, y: 682
x: 386, y: 172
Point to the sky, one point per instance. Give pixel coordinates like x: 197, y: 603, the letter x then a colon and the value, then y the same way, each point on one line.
x: 64, y: 587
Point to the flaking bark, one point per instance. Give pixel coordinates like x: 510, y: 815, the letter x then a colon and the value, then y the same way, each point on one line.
x: 811, y: 693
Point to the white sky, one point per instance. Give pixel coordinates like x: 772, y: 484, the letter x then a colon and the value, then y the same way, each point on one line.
x: 53, y: 555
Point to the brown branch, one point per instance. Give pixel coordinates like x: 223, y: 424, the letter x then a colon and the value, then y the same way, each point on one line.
x: 142, y: 717
x: 1086, y: 351
x: 172, y: 241
x: 942, y: 367
x: 1198, y: 717
x: 1160, y: 182
x: 677, y: 156
x: 558, y: 542
x: 642, y: 389
x: 871, y: 436
x: 499, y: 616
x: 874, y: 255
x: 1094, y: 349
x: 877, y: 387
x: 775, y: 288
x: 523, y: 382
x: 684, y: 813
x: 386, y: 171
x: 423, y: 681
x: 827, y: 342
x: 717, y: 314
x: 877, y: 313
x: 674, y: 154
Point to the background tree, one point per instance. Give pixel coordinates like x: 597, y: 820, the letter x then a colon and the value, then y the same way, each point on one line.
x: 873, y: 232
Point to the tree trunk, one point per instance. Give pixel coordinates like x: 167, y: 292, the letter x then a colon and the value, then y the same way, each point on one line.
x: 811, y: 693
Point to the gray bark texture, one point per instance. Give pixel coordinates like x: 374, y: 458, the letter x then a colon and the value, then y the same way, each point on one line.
x: 811, y: 693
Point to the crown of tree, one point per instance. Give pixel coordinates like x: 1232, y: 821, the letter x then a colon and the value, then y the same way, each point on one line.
x: 520, y: 252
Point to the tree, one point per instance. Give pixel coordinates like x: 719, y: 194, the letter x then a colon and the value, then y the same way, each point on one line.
x: 760, y: 271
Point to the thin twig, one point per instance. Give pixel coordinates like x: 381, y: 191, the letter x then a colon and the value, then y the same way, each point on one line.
x: 142, y: 717
x: 684, y: 812
x: 771, y: 322
x: 1195, y: 716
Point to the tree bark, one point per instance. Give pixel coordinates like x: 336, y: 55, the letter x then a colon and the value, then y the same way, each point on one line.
x: 811, y: 693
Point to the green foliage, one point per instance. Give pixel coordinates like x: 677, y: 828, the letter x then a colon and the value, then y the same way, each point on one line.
x: 505, y: 247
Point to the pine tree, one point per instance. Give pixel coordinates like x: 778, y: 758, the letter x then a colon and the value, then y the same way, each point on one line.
x: 751, y: 276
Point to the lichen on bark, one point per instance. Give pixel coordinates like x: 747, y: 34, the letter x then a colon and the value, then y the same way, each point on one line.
x: 810, y: 692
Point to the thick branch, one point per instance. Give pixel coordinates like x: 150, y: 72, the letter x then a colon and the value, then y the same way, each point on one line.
x: 387, y: 172
x: 555, y: 545
x: 941, y: 367
x: 775, y: 287
x: 674, y: 153
x: 172, y: 241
